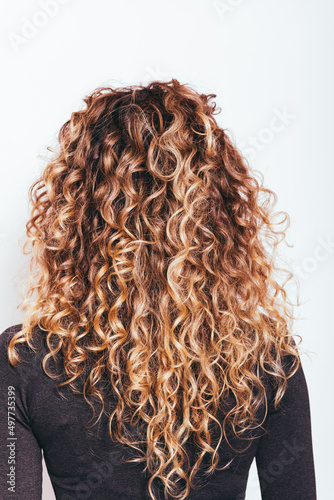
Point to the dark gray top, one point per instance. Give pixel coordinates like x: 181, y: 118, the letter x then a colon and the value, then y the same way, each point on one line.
x: 35, y: 418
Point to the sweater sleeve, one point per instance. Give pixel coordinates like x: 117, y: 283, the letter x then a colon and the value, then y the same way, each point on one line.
x: 284, y: 456
x: 20, y: 453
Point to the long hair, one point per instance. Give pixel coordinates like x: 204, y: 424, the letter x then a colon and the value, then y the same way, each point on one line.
x: 153, y: 247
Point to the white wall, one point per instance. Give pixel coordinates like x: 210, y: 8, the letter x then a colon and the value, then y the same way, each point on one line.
x: 262, y: 59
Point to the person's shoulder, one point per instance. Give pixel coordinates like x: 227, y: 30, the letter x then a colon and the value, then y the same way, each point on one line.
x: 8, y: 334
x: 22, y: 376
x: 296, y: 395
x: 29, y: 358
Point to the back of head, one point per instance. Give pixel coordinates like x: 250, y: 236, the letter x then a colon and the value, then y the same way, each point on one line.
x: 151, y: 256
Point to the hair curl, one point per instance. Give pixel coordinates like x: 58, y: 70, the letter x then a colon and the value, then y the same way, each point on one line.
x: 152, y: 263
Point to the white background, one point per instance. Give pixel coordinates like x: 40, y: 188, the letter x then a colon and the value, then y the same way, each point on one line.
x: 263, y: 58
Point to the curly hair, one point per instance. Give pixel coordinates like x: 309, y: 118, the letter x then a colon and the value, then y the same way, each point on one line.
x: 153, y: 246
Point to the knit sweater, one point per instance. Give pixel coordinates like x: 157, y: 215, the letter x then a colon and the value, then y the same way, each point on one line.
x: 36, y: 419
